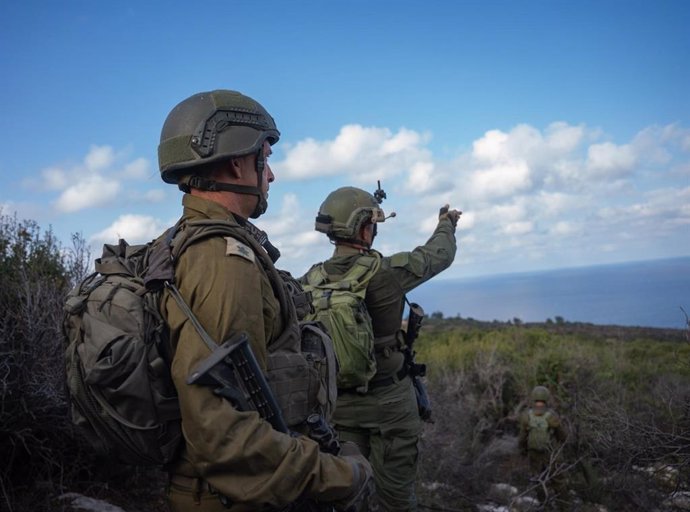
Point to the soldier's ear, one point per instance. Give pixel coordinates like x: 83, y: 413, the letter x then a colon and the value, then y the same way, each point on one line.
x: 235, y: 168
x: 367, y: 232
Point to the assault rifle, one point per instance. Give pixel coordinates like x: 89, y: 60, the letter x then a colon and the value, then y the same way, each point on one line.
x: 234, y: 374
x: 415, y: 370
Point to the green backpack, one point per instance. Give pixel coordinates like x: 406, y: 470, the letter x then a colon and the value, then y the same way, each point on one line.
x: 539, y: 435
x: 118, y: 355
x: 339, y: 304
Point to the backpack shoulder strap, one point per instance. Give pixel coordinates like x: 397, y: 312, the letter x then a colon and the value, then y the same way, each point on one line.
x: 363, y: 270
x: 190, y: 232
x: 355, y: 279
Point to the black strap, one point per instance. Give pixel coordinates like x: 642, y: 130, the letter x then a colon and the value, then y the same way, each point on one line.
x: 201, y: 183
x: 192, y: 318
x: 381, y: 383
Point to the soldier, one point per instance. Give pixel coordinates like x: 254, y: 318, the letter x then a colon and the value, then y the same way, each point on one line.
x: 215, y: 146
x: 383, y: 420
x: 541, y: 439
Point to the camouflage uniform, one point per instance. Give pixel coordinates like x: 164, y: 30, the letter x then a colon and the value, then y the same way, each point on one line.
x: 385, y: 421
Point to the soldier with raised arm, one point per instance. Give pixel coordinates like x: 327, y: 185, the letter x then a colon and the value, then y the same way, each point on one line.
x: 379, y: 412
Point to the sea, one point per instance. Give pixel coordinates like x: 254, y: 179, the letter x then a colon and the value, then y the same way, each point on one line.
x: 642, y: 293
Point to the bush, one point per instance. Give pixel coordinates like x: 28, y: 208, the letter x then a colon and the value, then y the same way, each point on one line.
x: 38, y: 447
x: 624, y: 399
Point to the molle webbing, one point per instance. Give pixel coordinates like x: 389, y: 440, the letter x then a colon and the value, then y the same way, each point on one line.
x: 355, y: 280
x: 176, y: 149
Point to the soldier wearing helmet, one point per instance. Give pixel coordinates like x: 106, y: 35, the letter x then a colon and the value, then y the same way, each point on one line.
x: 541, y: 439
x: 215, y: 146
x: 382, y: 417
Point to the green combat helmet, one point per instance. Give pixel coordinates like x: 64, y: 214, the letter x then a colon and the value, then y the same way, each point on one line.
x: 345, y: 211
x: 541, y: 394
x: 212, y: 127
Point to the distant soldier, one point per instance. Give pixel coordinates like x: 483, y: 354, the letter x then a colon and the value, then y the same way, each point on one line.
x: 541, y: 439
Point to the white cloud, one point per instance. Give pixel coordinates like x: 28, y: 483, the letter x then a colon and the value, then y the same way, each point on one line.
x: 137, y: 169
x: 90, y: 192
x: 54, y: 178
x: 563, y: 138
x: 491, y: 147
x: 96, y: 181
x: 607, y: 160
x: 421, y: 177
x: 357, y: 151
x: 500, y: 180
x: 555, y: 203
x: 99, y: 158
x: 467, y: 221
x: 286, y: 220
x: 135, y: 229
x: 518, y: 228
x: 564, y: 228
x: 526, y: 143
x: 155, y: 196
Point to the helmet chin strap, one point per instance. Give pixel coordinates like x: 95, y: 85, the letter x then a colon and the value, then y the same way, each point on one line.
x: 202, y: 183
x: 262, y: 203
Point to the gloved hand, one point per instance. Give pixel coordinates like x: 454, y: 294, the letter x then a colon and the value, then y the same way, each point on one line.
x: 363, y: 486
x: 349, y: 448
x: 452, y: 215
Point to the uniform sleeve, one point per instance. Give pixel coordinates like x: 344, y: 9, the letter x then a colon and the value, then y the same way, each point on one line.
x: 413, y: 268
x: 236, y: 452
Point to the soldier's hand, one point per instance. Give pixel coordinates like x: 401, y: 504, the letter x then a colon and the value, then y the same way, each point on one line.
x: 363, y: 487
x: 349, y: 448
x: 446, y: 213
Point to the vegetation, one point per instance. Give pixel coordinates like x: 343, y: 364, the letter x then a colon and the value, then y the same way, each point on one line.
x: 42, y: 455
x: 623, y: 392
x: 624, y: 395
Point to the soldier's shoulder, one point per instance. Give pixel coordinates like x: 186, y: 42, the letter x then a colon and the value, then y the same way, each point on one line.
x: 235, y: 247
x: 312, y: 274
x: 218, y: 250
x: 403, y: 260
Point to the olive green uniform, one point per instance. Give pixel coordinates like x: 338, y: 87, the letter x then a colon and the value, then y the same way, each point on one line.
x: 541, y: 458
x: 226, y: 451
x: 385, y: 421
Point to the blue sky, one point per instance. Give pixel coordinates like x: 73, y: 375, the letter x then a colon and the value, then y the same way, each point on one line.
x: 561, y: 129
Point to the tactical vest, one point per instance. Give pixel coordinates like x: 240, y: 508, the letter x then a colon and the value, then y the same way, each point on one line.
x: 301, y: 367
x: 539, y: 433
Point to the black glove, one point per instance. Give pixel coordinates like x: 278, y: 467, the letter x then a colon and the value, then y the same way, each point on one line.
x: 452, y: 215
